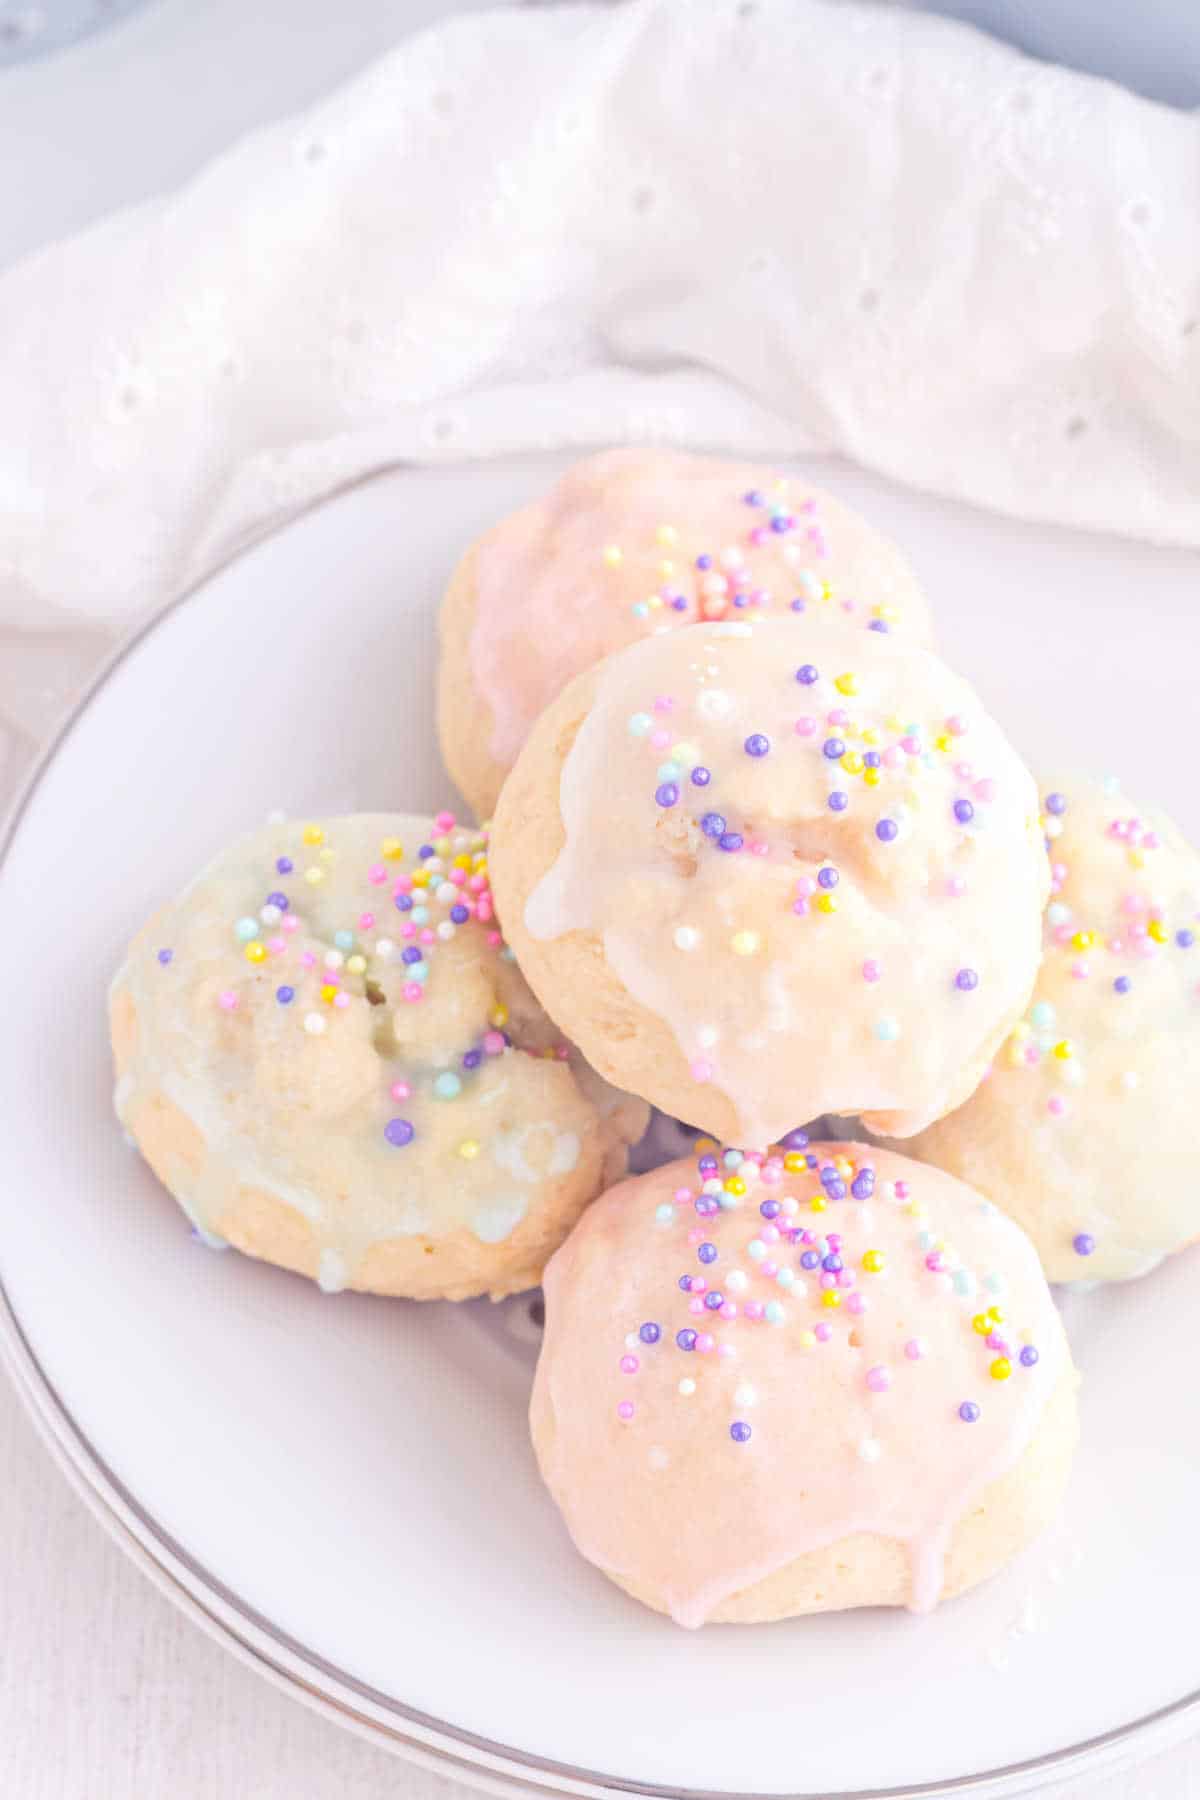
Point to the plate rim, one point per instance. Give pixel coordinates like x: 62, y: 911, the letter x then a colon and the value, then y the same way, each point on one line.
x: 259, y: 1643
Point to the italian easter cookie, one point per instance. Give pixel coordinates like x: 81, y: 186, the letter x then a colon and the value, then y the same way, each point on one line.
x: 629, y: 543
x: 327, y: 1054
x: 1087, y: 1130
x: 750, y: 865
x: 820, y: 1378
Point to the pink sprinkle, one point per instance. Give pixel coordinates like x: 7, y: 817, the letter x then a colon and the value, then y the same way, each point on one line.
x: 659, y: 739
x: 956, y: 887
x: 376, y: 874
x: 493, y: 1042
x: 228, y: 1001
x: 701, y: 1070
x: 985, y: 790
x: 307, y: 959
x: 770, y: 1269
x: 630, y: 1365
x: 276, y: 945
x: 893, y: 757
x: 902, y: 1190
x: 758, y: 847
x: 769, y: 1234
x: 400, y: 1090
x: 1056, y: 1105
x: 682, y: 1196
x: 1133, y: 903
x: 494, y: 940
x: 663, y: 703
x: 822, y: 1331
x: 806, y: 726
x: 427, y: 935
x: 696, y: 1306
x: 759, y: 535
x: 915, y: 1349
x: 706, y: 1343
x: 964, y: 771
x: 996, y: 1341
x: 696, y: 1235
x: 839, y: 716
x: 413, y: 990
x: 871, y: 970
x: 845, y: 1279
x: 289, y: 923
x: 407, y: 930
x: 878, y: 1379
x: 772, y: 1175
x: 1062, y: 934
x: 935, y: 1261
x: 956, y: 725
x: 1080, y: 971
x: 477, y: 883
x: 753, y: 1309
x: 1033, y: 1055
x: 728, y: 1309
x: 457, y: 876
x: 365, y: 921
x: 625, y: 1410
x: 912, y: 745
x: 699, y: 1285
x: 806, y: 886
x: 727, y: 1350
x: 402, y: 885
x: 444, y: 822
x: 856, y: 1304
x: 829, y: 1279
x: 341, y: 1000
x: 800, y: 908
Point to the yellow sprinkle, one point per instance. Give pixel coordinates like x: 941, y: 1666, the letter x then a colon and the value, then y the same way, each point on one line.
x: 654, y: 602
x: 871, y: 777
x: 744, y: 943
x: 612, y: 556
x: 328, y: 854
x: 1137, y: 859
x: 916, y: 1209
x: 420, y: 878
x: 666, y: 535
x: 498, y: 1017
x: 1083, y: 940
x: 942, y: 741
x: 443, y: 847
x: 852, y: 762
x: 981, y: 1323
x: 808, y: 1339
x: 818, y: 1203
x: 1021, y: 1029
x: 873, y: 1261
x: 461, y: 861
x: 1157, y: 930
x: 996, y: 1315
x: 1001, y: 1369
x: 1064, y: 1050
x: 846, y: 684
x: 826, y: 903
x: 392, y: 848
x: 844, y: 1166
x: 469, y: 1149
x: 313, y: 875
x: 256, y: 953
x: 887, y: 612
x: 795, y: 1162
x: 831, y: 1297
x: 666, y: 566
x: 313, y: 834
x: 735, y: 1184
x: 328, y: 993
x: 870, y: 737
x: 356, y: 964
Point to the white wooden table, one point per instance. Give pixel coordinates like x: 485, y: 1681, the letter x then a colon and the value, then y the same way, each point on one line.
x: 106, y: 1693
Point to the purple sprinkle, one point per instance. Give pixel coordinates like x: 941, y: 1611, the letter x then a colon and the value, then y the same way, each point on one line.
x: 753, y: 498
x: 964, y: 812
x: 285, y: 995
x: 472, y: 1059
x: 739, y: 1431
x: 686, y: 1339
x: 279, y: 900
x: 425, y: 852
x: 701, y: 776
x: 679, y: 603
x: 704, y: 562
x: 685, y: 1284
x: 650, y: 1332
x: 781, y: 523
x: 713, y: 825
x: 714, y: 1301
x: 809, y: 1260
x: 1122, y: 984
x: 770, y: 1209
x: 707, y: 1164
x: 797, y: 606
x: 666, y: 794
x: 757, y: 744
x: 871, y: 759
x: 833, y: 1263
x: 741, y: 600
x: 838, y: 802
x: 404, y: 902
x: 1028, y: 1356
x: 1185, y: 939
x: 965, y: 980
x: 795, y: 1140
x: 833, y: 748
x: 284, y: 865
x: 706, y: 1206
x: 863, y: 1185
x: 886, y: 830
x: 827, y: 878
x: 968, y: 1412
x: 1056, y: 804
x: 807, y: 674
x: 399, y: 1132
x: 730, y: 840
x: 707, y: 1253
x: 164, y: 957
x: 1084, y: 1243
x: 459, y: 915
x: 878, y: 625
x: 411, y: 954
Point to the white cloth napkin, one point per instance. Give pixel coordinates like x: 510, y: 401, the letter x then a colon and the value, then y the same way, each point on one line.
x: 774, y: 226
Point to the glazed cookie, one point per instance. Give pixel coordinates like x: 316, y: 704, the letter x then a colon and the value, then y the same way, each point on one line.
x: 629, y: 543
x: 747, y: 865
x: 1087, y: 1129
x: 825, y: 1378
x: 326, y: 1053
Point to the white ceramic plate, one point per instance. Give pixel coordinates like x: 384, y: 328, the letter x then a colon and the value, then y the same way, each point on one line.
x: 342, y: 1487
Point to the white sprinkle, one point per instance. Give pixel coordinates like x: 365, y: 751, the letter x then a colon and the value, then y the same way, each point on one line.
x: 736, y: 1280
x: 334, y: 959
x: 270, y: 915
x: 277, y: 816
x: 384, y: 948
x: 686, y: 937
x: 658, y: 1458
x: 745, y: 1395
x: 631, y: 1340
x: 870, y: 1449
x: 687, y: 1385
x: 1130, y: 1080
x: 314, y: 1024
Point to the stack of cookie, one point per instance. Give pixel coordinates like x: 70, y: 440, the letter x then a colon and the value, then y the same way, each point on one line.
x: 757, y: 856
